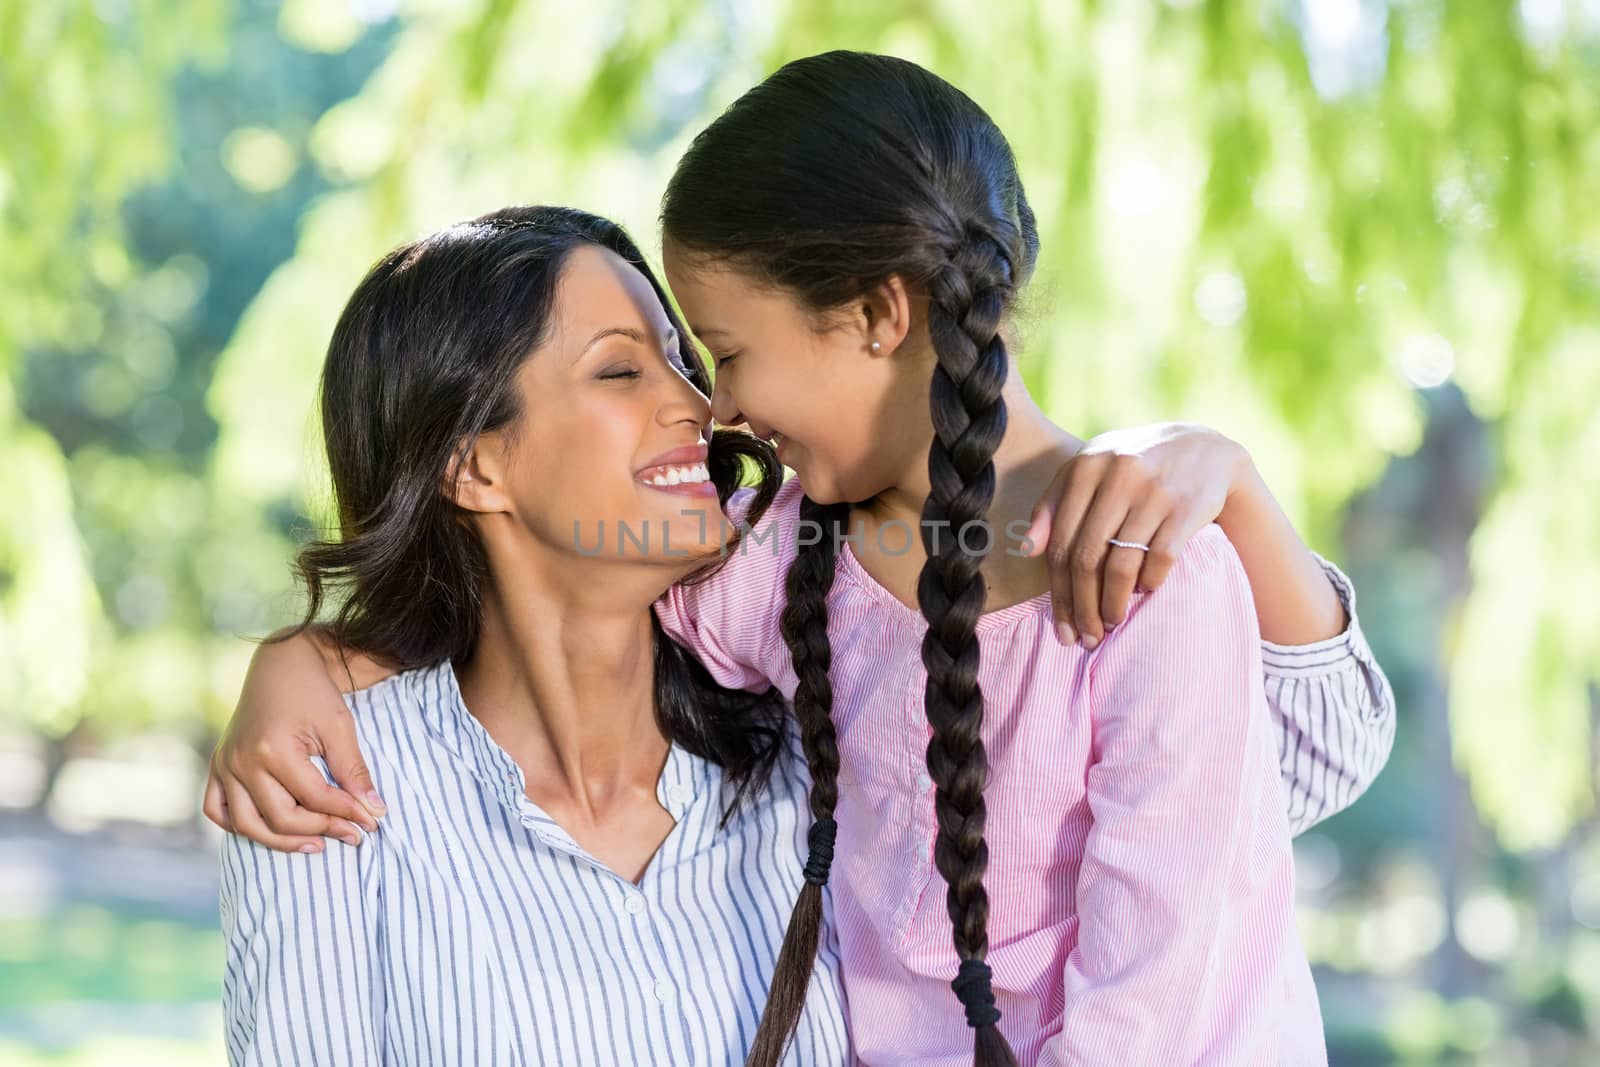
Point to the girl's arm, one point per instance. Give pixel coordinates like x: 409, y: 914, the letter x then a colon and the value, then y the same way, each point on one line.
x: 262, y: 782
x: 1185, y: 892
x: 301, y: 981
x: 1158, y: 485
x: 263, y: 785
x: 730, y: 619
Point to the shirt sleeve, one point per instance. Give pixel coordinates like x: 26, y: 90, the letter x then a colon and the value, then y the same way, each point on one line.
x: 300, y: 978
x: 1335, y: 714
x: 1183, y: 794
x: 730, y: 620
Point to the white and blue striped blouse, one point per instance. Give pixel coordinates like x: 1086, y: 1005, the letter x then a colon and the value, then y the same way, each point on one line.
x: 471, y: 929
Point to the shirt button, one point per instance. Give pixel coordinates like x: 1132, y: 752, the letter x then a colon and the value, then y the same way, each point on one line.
x: 664, y: 991
x: 678, y: 794
x: 634, y: 904
x: 924, y: 783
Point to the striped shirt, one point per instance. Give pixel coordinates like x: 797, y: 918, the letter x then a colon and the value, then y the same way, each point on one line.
x: 473, y: 930
x: 1141, y: 879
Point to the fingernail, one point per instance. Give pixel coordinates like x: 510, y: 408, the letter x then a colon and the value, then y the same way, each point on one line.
x: 1090, y: 642
x: 310, y: 849
x: 1065, y: 635
x: 375, y: 802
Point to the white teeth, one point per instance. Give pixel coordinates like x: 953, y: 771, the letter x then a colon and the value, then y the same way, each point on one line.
x: 692, y: 474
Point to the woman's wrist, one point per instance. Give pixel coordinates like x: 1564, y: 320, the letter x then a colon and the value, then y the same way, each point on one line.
x: 1295, y: 601
x: 1248, y: 499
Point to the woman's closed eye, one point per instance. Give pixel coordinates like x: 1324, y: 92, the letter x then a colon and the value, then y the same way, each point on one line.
x: 723, y: 360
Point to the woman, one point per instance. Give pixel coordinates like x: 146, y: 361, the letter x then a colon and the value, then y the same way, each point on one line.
x: 578, y: 862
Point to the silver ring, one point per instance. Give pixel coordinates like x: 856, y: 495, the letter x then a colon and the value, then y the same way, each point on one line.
x: 1129, y: 544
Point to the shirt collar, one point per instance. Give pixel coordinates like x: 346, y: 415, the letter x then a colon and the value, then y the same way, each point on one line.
x: 686, y: 781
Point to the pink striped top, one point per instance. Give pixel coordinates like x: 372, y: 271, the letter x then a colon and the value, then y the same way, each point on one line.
x: 1141, y: 880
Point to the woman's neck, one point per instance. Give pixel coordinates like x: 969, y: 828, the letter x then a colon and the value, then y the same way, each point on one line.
x: 563, y: 679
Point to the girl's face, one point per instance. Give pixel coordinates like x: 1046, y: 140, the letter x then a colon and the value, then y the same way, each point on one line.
x: 608, y: 457
x: 849, y: 421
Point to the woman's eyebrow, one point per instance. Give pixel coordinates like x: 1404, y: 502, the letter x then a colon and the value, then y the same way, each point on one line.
x: 613, y: 331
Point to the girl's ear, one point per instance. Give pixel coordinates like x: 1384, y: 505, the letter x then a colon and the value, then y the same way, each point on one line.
x: 476, y: 479
x: 884, y: 316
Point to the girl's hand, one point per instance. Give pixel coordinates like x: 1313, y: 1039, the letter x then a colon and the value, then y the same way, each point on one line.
x: 263, y: 784
x: 1153, y: 485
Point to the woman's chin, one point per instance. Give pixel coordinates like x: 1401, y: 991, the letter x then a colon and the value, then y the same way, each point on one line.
x: 688, y: 530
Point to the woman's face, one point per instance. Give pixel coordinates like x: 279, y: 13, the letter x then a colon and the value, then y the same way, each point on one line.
x: 608, y: 457
x: 850, y: 426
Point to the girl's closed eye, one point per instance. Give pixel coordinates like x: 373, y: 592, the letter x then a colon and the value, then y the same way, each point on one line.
x: 619, y: 372
x: 723, y: 361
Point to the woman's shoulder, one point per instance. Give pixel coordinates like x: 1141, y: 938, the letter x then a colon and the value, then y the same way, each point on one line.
x: 406, y: 701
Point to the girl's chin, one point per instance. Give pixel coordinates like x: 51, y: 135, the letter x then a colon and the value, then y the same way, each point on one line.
x: 820, y: 491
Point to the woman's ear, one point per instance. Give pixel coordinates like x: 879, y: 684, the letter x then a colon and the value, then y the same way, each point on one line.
x: 476, y: 478
x: 885, y: 316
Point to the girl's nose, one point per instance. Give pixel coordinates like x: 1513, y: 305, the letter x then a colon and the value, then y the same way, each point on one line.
x: 723, y: 408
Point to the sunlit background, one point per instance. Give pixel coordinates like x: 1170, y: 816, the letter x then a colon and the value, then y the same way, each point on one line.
x: 1361, y: 237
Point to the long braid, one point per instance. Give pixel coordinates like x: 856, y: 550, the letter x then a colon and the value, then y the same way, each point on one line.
x: 967, y: 300
x: 804, y: 624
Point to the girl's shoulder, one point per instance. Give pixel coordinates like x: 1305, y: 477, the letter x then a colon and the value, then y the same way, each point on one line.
x: 784, y: 509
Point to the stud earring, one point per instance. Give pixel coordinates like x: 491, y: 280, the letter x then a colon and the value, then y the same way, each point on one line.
x: 875, y: 346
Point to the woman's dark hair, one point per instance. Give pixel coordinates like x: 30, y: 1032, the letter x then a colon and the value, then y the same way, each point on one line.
x: 423, y: 359
x: 835, y: 174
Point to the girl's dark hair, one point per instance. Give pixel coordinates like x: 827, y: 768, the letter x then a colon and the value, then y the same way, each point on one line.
x: 836, y: 173
x: 423, y: 359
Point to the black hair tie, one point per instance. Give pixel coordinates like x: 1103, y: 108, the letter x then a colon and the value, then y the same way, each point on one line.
x: 974, y: 988
x: 819, y: 840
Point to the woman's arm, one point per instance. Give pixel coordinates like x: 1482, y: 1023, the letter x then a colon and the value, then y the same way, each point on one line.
x: 1178, y: 961
x: 1333, y: 703
x: 262, y: 783
x: 302, y: 976
x: 1158, y: 485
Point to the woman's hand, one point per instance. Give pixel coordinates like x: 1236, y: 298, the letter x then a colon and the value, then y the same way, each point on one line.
x: 1154, y: 486
x: 262, y: 782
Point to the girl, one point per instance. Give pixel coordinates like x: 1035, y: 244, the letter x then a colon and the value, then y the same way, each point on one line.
x: 580, y: 864
x: 1107, y: 828
x: 849, y: 231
